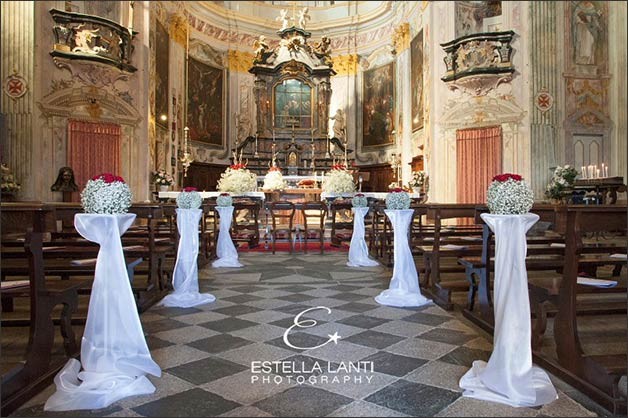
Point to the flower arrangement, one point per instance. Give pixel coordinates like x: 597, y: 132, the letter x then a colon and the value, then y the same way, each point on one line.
x: 224, y: 199
x: 237, y: 178
x: 8, y: 185
x: 509, y: 194
x: 338, y: 180
x: 419, y: 180
x: 189, y: 198
x: 562, y: 180
x: 274, y: 179
x: 106, y: 194
x: 397, y: 199
x: 359, y: 201
x: 161, y: 178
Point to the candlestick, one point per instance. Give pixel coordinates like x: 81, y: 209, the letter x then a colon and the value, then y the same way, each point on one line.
x: 606, y: 171
x: 597, y: 173
x: 131, y: 7
x: 583, y: 172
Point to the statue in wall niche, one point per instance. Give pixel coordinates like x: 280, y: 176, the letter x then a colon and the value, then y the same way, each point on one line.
x: 65, y: 181
x: 587, y: 31
x: 284, y: 19
x: 304, y: 16
x: 339, y: 124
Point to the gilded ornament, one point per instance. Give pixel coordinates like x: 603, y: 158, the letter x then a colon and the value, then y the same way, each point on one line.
x: 345, y: 64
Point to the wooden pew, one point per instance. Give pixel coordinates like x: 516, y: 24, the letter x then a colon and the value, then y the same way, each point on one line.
x: 596, y: 375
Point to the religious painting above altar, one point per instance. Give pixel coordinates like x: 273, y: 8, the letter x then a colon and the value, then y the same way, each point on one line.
x: 416, y: 83
x: 293, y: 104
x: 378, y: 106
x: 205, y: 103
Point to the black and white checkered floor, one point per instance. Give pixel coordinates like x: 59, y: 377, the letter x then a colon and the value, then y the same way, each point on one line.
x: 387, y: 362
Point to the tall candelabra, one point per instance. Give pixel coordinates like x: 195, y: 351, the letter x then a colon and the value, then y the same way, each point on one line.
x: 186, y: 159
x: 395, y: 164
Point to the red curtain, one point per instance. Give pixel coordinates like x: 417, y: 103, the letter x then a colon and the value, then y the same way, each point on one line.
x: 479, y: 159
x: 93, y: 148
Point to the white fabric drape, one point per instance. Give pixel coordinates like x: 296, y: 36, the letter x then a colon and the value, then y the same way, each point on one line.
x: 114, y: 354
x: 185, y: 277
x: 225, y: 250
x: 358, y: 251
x: 404, y: 286
x: 509, y: 376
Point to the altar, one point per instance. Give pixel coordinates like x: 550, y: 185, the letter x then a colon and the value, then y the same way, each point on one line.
x: 605, y: 188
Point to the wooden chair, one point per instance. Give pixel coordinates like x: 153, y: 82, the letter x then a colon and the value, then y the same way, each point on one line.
x: 314, y: 214
x: 245, y: 223
x: 341, y: 222
x: 282, y: 219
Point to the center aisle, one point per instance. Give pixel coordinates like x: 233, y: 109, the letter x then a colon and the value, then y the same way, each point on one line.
x: 386, y: 361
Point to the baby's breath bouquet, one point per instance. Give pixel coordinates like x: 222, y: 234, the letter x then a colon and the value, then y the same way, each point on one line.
x: 224, y: 199
x: 397, y: 199
x: 338, y: 180
x: 189, y: 198
x: 359, y: 201
x: 106, y: 194
x: 509, y: 194
x: 237, y: 179
x: 274, y: 179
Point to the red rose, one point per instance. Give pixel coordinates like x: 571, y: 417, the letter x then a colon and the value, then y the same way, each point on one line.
x: 359, y: 195
x: 189, y: 189
x: 507, y: 176
x: 224, y: 194
x: 397, y: 190
x: 108, y: 178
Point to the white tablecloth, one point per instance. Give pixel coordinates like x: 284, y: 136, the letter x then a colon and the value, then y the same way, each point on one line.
x: 358, y: 251
x: 509, y: 376
x: 374, y: 195
x: 114, y: 354
x: 404, y: 286
x: 185, y: 277
x: 225, y: 250
x: 205, y: 195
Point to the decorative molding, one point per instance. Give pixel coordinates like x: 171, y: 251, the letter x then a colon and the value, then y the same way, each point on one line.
x: 345, y: 64
x: 89, y: 103
x: 178, y: 28
x: 479, y: 85
x: 481, y: 111
x: 206, y: 54
x: 92, y: 74
x: 15, y: 86
x: 544, y: 100
x: 240, y: 61
x: 401, y: 37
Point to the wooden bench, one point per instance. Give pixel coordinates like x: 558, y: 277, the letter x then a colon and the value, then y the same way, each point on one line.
x: 341, y: 222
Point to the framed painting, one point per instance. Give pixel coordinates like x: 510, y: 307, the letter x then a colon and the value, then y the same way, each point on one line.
x: 292, y: 104
x: 162, y: 51
x: 205, y: 115
x: 378, y: 106
x: 416, y: 80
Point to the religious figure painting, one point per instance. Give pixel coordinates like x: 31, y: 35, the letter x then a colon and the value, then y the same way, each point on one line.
x: 205, y: 102
x: 378, y: 107
x: 293, y: 104
x: 588, y: 32
x: 162, y: 51
x: 416, y: 77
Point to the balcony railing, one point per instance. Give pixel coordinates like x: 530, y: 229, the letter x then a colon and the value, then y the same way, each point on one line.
x: 92, y: 38
x: 479, y: 54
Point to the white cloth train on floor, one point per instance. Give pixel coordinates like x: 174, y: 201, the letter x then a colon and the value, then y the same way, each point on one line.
x: 185, y: 277
x: 225, y: 250
x: 509, y: 376
x: 404, y: 288
x: 358, y: 251
x: 114, y: 354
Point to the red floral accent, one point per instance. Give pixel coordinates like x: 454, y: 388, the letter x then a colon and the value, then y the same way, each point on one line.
x: 237, y: 166
x: 108, y: 178
x: 189, y: 189
x: 359, y: 195
x: 397, y: 190
x: 274, y: 168
x: 224, y: 194
x: 338, y: 167
x: 507, y: 176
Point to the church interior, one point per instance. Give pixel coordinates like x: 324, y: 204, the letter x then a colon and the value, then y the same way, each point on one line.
x: 246, y: 168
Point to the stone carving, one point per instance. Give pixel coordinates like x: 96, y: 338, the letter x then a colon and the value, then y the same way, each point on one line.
x: 322, y: 50
x: 261, y: 49
x: 84, y: 40
x: 339, y: 124
x: 284, y: 19
x: 587, y: 31
x: 304, y: 16
x: 92, y: 74
x: 65, y: 181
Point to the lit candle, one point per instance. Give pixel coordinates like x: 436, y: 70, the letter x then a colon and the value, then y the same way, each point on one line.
x: 597, y: 172
x: 583, y: 172
x: 605, y: 171
x: 131, y: 7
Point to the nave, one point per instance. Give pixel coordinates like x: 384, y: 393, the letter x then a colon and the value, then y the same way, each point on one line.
x: 207, y: 353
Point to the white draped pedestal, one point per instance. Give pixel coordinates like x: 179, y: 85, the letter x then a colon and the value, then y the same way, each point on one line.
x: 404, y: 288
x: 225, y: 250
x: 358, y: 251
x: 114, y: 355
x: 185, y: 278
x: 509, y: 376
